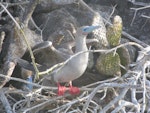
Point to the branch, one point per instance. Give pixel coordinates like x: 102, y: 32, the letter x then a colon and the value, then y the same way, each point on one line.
x: 64, y: 2
x: 45, y: 103
x: 139, y: 3
x: 137, y: 9
x: 144, y: 16
x: 2, y: 37
x: 29, y: 11
x: 108, y: 85
x: 122, y: 104
x: 9, y: 67
x: 5, y: 102
x: 26, y: 82
x: 134, y: 39
x: 115, y: 100
x: 69, y: 104
x: 15, y: 4
x: 10, y: 15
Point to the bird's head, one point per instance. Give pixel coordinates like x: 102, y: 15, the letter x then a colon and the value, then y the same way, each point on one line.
x: 85, y: 30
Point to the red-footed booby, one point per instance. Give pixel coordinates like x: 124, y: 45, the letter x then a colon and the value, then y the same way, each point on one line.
x: 77, y: 65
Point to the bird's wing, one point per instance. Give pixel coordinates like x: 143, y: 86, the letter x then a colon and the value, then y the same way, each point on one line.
x: 51, y: 50
x: 29, y: 66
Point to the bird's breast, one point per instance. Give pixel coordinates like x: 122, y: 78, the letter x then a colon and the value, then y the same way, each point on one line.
x: 80, y: 63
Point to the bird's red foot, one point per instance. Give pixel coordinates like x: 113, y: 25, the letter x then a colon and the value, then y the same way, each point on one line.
x: 61, y: 89
x: 74, y: 90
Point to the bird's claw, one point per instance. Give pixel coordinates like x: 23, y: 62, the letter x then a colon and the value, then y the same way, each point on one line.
x: 74, y: 90
x: 61, y: 90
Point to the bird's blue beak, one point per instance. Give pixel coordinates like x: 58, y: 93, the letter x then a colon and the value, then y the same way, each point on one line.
x: 89, y: 29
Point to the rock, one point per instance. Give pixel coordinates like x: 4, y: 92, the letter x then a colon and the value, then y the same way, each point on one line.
x: 124, y: 58
x: 131, y: 50
x: 57, y: 25
x: 77, y: 15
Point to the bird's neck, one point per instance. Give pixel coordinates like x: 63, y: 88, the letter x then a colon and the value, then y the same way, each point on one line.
x: 80, y: 44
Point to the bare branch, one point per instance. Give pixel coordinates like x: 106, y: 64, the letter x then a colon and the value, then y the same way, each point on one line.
x: 29, y: 11
x: 115, y: 100
x: 144, y: 16
x: 16, y: 4
x: 64, y: 2
x: 137, y: 9
x: 5, y: 102
x: 2, y: 37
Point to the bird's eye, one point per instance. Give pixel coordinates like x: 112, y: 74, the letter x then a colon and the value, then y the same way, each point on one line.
x: 84, y: 29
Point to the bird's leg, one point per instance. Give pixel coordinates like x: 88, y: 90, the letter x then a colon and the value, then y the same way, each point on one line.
x: 30, y: 79
x: 61, y: 89
x: 73, y: 90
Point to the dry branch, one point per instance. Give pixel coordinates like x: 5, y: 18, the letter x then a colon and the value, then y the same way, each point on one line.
x: 137, y: 9
x: 5, y: 102
x: 2, y: 37
x: 29, y: 11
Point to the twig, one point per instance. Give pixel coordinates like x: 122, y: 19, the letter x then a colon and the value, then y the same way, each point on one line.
x: 24, y: 81
x: 51, y: 69
x: 134, y: 39
x: 107, y: 22
x: 29, y: 11
x: 139, y: 3
x: 144, y: 85
x: 36, y: 25
x: 2, y: 37
x: 115, y: 100
x: 133, y: 92
x: 148, y: 17
x: 70, y: 103
x: 141, y: 8
x: 5, y: 102
x: 44, y: 103
x: 137, y: 9
x: 86, y: 6
x: 101, y: 82
x: 10, y: 15
x: 31, y: 54
x: 16, y: 104
x: 3, y: 10
x: 75, y: 111
x: 10, y: 66
x: 123, y: 104
x: 64, y: 2
x: 15, y: 4
x: 100, y: 87
x: 37, y: 85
